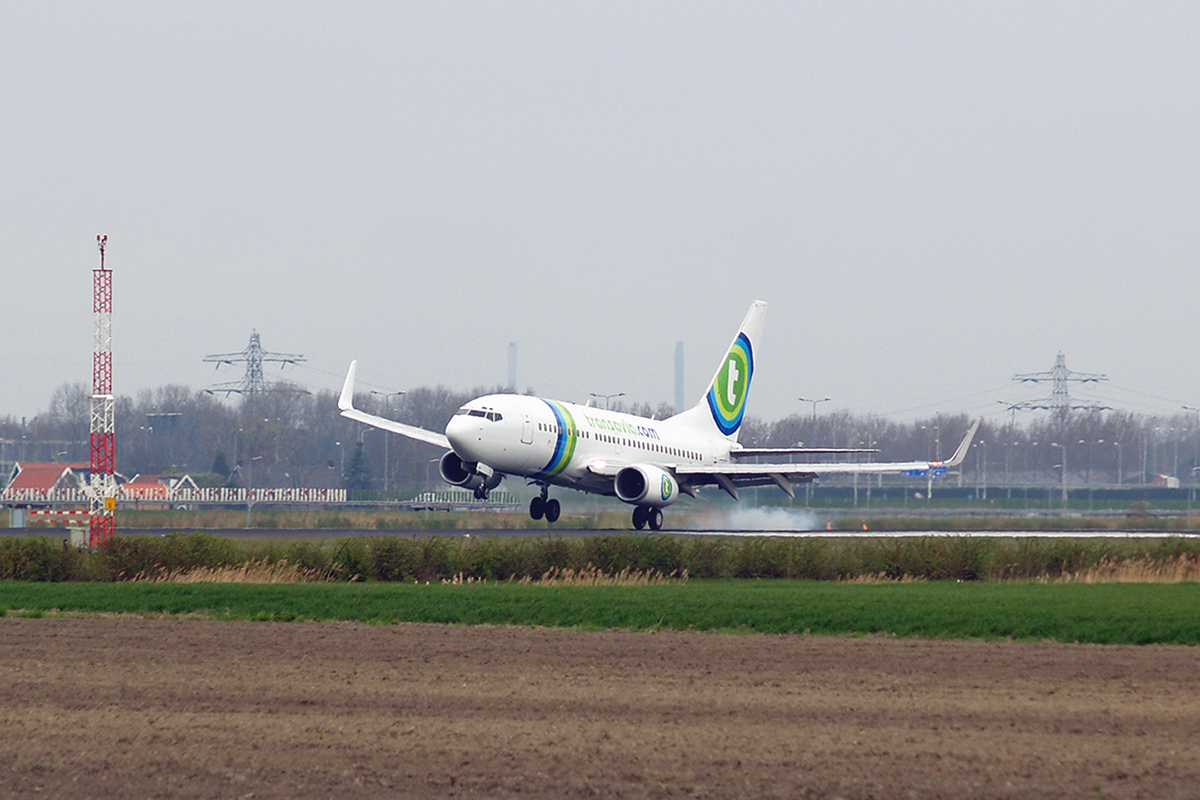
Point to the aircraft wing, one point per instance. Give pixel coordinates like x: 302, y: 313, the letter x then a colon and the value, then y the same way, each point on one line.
x: 731, y: 476
x: 346, y: 404
x: 751, y: 452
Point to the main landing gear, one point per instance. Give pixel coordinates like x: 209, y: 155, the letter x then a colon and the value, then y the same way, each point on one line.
x: 647, y: 515
x: 543, y: 506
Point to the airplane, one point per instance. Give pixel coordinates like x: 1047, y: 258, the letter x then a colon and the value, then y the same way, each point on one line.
x: 647, y: 463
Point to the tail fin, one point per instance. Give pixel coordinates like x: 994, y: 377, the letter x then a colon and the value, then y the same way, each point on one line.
x: 960, y: 454
x: 723, y: 405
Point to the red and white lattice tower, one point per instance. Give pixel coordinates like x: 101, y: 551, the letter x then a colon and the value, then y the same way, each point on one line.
x: 103, y: 485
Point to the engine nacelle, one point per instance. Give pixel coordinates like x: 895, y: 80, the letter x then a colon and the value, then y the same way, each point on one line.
x: 646, y: 485
x: 457, y: 472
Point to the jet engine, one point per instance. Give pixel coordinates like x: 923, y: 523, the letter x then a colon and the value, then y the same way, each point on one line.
x: 646, y: 485
x: 457, y: 472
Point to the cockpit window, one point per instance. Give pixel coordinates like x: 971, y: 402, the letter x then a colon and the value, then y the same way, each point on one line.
x: 490, y: 416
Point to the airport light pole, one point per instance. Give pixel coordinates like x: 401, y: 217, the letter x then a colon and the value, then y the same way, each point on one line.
x: 250, y: 488
x: 362, y: 450
x: 981, y: 471
x: 814, y: 402
x: 428, y: 490
x: 1064, y: 471
x: 1031, y: 469
x: 1009, y: 444
x: 387, y: 402
x: 607, y: 397
x: 1196, y: 455
x: 1088, y: 474
x: 1118, y: 446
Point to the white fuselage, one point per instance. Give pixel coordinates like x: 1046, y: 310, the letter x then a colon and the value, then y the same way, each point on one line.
x: 571, y: 445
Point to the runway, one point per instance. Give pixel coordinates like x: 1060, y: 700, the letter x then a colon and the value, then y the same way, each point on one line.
x: 1055, y: 534
x: 486, y: 533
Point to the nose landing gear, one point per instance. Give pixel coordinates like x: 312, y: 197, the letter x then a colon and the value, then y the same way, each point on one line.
x: 647, y: 516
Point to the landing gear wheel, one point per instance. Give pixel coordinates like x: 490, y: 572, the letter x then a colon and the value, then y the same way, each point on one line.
x: 480, y: 493
x: 639, y: 517
x: 553, y: 509
x: 537, y: 508
x: 654, y: 518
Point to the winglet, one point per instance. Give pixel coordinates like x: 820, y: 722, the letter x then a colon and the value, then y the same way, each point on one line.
x: 961, y: 453
x: 346, y: 401
x: 346, y: 405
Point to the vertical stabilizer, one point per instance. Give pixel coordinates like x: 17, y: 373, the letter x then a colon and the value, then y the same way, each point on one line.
x: 724, y: 403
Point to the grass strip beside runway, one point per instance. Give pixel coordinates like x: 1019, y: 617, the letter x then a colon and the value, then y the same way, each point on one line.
x: 1095, y: 613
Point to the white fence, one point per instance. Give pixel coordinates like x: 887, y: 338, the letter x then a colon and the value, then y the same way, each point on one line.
x: 457, y: 496
x: 183, y: 496
x: 67, y: 496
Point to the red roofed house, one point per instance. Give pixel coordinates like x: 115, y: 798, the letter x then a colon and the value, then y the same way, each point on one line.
x: 155, y: 487
x: 31, y: 480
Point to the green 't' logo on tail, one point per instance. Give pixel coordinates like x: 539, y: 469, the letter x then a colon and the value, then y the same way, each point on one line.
x: 727, y: 395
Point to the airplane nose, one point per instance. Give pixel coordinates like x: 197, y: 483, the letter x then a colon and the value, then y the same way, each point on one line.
x: 463, y: 432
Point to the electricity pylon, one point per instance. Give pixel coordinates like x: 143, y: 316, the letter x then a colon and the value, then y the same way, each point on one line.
x: 254, y: 381
x: 1059, y: 402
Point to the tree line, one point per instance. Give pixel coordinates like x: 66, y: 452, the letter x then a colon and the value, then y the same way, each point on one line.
x: 300, y: 440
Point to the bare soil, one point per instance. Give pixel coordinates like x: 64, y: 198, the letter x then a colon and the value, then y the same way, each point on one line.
x: 128, y: 707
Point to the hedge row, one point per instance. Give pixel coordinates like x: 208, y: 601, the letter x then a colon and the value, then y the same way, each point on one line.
x: 421, y: 558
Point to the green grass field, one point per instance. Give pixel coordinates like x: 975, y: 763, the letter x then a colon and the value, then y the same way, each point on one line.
x: 1094, y: 613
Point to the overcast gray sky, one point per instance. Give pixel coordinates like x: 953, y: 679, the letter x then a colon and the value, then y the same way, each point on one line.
x: 931, y: 196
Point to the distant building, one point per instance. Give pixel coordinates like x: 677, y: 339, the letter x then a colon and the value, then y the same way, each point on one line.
x: 32, y: 480
x: 1169, y: 481
x: 155, y: 487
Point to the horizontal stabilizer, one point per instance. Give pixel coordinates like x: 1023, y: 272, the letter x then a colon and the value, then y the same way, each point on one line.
x: 730, y: 476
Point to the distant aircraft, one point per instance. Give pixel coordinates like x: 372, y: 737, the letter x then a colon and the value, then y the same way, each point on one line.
x: 645, y: 462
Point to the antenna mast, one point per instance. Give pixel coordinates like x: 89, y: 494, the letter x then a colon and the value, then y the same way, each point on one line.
x: 102, y: 484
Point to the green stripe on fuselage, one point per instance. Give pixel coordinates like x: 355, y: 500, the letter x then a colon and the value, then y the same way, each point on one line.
x: 568, y: 437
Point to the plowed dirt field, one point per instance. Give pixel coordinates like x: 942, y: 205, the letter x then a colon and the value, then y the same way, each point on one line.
x: 130, y: 707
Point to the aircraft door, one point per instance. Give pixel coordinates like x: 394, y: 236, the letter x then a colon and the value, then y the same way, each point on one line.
x: 527, y: 430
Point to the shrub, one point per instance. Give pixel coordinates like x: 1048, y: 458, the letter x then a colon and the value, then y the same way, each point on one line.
x: 352, y: 560
x: 129, y: 556
x: 36, y: 558
x: 707, y: 558
x: 391, y: 559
